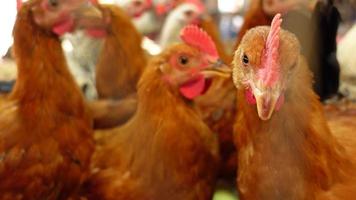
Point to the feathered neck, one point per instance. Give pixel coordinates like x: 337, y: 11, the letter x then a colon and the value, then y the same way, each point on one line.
x: 44, y: 81
x: 155, y: 95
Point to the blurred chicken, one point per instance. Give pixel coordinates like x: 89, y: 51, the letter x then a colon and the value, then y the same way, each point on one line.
x: 157, y: 155
x: 286, y: 150
x: 81, y: 51
x: 254, y: 16
x: 345, y: 55
x: 144, y: 16
x: 122, y: 59
x: 45, y: 131
x: 112, y: 57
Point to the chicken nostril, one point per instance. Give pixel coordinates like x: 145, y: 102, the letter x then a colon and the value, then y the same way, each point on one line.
x: 269, y: 2
x: 137, y: 3
x: 188, y: 13
x: 53, y: 3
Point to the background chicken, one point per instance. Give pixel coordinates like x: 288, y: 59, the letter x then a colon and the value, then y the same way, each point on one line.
x: 115, y: 62
x: 254, y: 16
x: 45, y: 132
x: 286, y: 150
x: 169, y: 156
x: 345, y: 56
x: 144, y: 15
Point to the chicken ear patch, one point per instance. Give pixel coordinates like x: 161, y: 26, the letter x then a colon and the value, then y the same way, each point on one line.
x: 196, y: 37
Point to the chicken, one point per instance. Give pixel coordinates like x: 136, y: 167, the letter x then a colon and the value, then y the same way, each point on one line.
x: 157, y: 155
x: 217, y: 106
x: 119, y: 62
x: 285, y: 147
x: 46, y: 138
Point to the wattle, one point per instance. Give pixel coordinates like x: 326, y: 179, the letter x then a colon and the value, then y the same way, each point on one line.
x: 193, y: 88
x: 63, y: 27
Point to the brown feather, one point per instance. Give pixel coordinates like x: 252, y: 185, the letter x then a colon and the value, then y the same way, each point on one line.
x: 122, y: 59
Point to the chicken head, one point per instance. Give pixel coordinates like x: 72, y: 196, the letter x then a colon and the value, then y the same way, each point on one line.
x: 62, y: 16
x: 263, y: 65
x: 189, y: 66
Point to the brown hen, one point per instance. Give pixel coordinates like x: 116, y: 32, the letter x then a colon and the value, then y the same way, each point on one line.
x: 165, y: 151
x: 285, y: 147
x: 45, y: 132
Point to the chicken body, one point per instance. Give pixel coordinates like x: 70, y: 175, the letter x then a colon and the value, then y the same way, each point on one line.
x: 291, y: 154
x: 45, y: 132
x: 164, y: 152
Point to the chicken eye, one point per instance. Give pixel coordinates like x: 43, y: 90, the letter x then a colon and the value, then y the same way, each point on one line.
x: 53, y: 3
x: 183, y: 60
x: 245, y: 59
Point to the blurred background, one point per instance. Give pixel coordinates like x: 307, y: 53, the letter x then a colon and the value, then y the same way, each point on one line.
x: 321, y: 26
x: 229, y: 14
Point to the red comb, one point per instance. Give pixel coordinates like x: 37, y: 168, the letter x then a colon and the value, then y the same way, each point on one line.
x: 196, y: 37
x: 270, y: 65
x: 18, y: 4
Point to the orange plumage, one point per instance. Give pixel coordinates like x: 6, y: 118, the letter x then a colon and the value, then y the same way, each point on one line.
x: 119, y: 67
x: 45, y: 132
x: 291, y: 154
x: 122, y: 59
x: 165, y: 151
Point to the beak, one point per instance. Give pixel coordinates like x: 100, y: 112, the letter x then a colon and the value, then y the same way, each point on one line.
x: 266, y: 100
x: 217, y: 68
x: 89, y: 16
